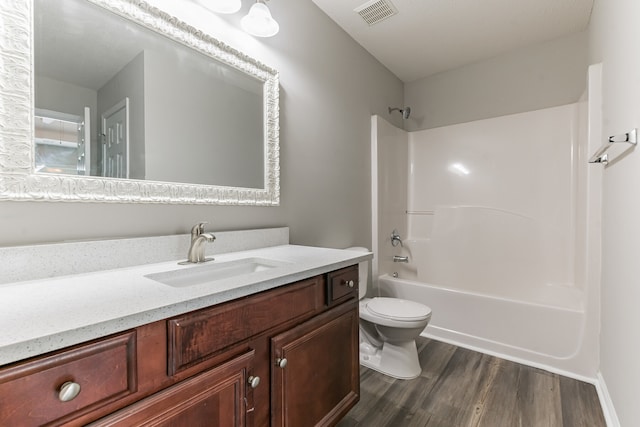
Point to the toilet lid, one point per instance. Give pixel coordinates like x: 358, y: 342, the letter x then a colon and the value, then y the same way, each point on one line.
x: 396, y: 308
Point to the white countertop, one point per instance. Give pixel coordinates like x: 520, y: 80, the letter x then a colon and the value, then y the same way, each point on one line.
x: 42, y: 315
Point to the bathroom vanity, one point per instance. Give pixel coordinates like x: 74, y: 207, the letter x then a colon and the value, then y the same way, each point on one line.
x: 276, y: 350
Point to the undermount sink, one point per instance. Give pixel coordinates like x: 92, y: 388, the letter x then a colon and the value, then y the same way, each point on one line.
x: 214, y: 271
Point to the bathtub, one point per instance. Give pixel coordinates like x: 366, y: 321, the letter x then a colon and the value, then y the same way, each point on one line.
x: 541, y: 335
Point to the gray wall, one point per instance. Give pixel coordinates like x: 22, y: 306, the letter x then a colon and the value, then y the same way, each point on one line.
x: 330, y: 86
x: 200, y: 127
x: 540, y: 76
x: 63, y: 97
x: 615, y: 46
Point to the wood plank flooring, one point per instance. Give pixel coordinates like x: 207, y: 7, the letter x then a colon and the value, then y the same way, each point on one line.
x: 463, y: 388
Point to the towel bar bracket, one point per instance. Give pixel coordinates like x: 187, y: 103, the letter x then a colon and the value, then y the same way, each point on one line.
x: 630, y: 137
x: 601, y: 155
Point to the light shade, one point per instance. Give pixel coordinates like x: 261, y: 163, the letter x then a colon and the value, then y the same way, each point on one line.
x: 225, y: 6
x: 258, y: 22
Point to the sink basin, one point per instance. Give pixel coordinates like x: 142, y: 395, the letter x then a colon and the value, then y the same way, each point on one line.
x: 207, y: 273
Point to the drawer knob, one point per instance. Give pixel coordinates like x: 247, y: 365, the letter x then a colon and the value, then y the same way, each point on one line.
x: 68, y: 391
x: 254, y: 381
x: 281, y: 362
x: 349, y: 283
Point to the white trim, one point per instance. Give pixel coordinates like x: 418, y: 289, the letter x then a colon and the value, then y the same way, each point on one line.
x: 449, y: 337
x: 55, y: 142
x: 374, y: 202
x: 17, y: 178
x: 609, y: 411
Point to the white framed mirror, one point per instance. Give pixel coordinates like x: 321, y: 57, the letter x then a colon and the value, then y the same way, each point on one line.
x: 116, y: 101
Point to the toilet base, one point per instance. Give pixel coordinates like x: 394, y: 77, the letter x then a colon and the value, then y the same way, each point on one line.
x: 395, y: 360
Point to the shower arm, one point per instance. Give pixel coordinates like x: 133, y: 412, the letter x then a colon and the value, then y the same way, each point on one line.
x: 405, y: 112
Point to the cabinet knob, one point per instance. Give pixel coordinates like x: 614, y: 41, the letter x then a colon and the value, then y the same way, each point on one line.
x: 68, y: 391
x: 254, y: 381
x: 349, y: 283
x: 281, y: 362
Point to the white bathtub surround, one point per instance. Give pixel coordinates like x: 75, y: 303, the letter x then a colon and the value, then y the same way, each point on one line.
x: 544, y: 336
x: 389, y: 183
x: 492, y: 203
x: 502, y: 229
x: 47, y: 314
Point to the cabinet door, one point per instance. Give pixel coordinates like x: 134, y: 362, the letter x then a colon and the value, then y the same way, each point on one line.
x: 320, y: 381
x: 217, y: 397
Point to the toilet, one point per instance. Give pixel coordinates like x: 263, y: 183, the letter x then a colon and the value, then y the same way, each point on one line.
x: 388, y: 329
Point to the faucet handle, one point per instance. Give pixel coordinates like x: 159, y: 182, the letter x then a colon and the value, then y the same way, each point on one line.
x: 198, y: 229
x: 395, y: 238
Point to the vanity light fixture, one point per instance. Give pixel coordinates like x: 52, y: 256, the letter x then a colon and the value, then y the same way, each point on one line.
x: 259, y: 22
x: 226, y: 6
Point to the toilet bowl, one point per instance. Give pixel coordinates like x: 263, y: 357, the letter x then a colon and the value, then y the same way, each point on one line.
x: 388, y: 329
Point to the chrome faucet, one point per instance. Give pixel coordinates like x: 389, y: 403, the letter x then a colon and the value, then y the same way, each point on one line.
x: 398, y: 258
x: 395, y: 238
x: 198, y: 240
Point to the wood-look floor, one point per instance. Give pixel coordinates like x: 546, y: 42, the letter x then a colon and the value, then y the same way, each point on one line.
x: 461, y: 388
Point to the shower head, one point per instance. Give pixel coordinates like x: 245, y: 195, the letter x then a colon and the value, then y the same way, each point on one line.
x: 406, y: 111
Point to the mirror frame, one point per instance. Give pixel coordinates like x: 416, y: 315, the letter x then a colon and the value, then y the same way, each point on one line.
x: 18, y: 182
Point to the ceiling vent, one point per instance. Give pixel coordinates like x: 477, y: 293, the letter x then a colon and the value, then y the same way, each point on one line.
x: 376, y: 11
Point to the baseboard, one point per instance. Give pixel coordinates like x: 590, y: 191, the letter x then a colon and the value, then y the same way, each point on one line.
x: 480, y: 345
x: 608, y: 410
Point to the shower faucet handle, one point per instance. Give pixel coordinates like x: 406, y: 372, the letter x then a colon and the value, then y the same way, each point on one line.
x: 395, y: 238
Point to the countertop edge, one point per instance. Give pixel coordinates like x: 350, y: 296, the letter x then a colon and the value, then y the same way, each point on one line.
x: 41, y: 345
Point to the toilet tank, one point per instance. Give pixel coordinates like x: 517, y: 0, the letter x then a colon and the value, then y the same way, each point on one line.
x: 363, y: 271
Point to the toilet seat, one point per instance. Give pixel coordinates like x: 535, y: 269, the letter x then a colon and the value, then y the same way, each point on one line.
x: 398, y: 309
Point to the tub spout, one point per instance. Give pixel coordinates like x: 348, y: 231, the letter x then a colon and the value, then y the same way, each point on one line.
x: 398, y: 258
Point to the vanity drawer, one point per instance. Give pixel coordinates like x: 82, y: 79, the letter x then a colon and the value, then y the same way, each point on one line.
x: 105, y: 370
x: 198, y: 336
x: 342, y: 285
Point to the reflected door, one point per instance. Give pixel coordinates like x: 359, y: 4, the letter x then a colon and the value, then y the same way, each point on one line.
x: 115, y: 144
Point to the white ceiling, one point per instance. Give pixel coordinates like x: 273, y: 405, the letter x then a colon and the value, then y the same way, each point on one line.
x: 426, y: 37
x: 96, y: 44
x: 93, y: 47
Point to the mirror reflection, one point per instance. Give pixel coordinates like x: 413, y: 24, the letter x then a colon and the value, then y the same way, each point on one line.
x: 114, y: 99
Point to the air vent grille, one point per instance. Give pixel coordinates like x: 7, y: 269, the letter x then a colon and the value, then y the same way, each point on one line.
x: 376, y: 11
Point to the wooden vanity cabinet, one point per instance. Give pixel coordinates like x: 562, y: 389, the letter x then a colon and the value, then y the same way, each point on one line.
x: 217, y: 397
x: 33, y: 393
x: 218, y: 366
x: 320, y: 380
